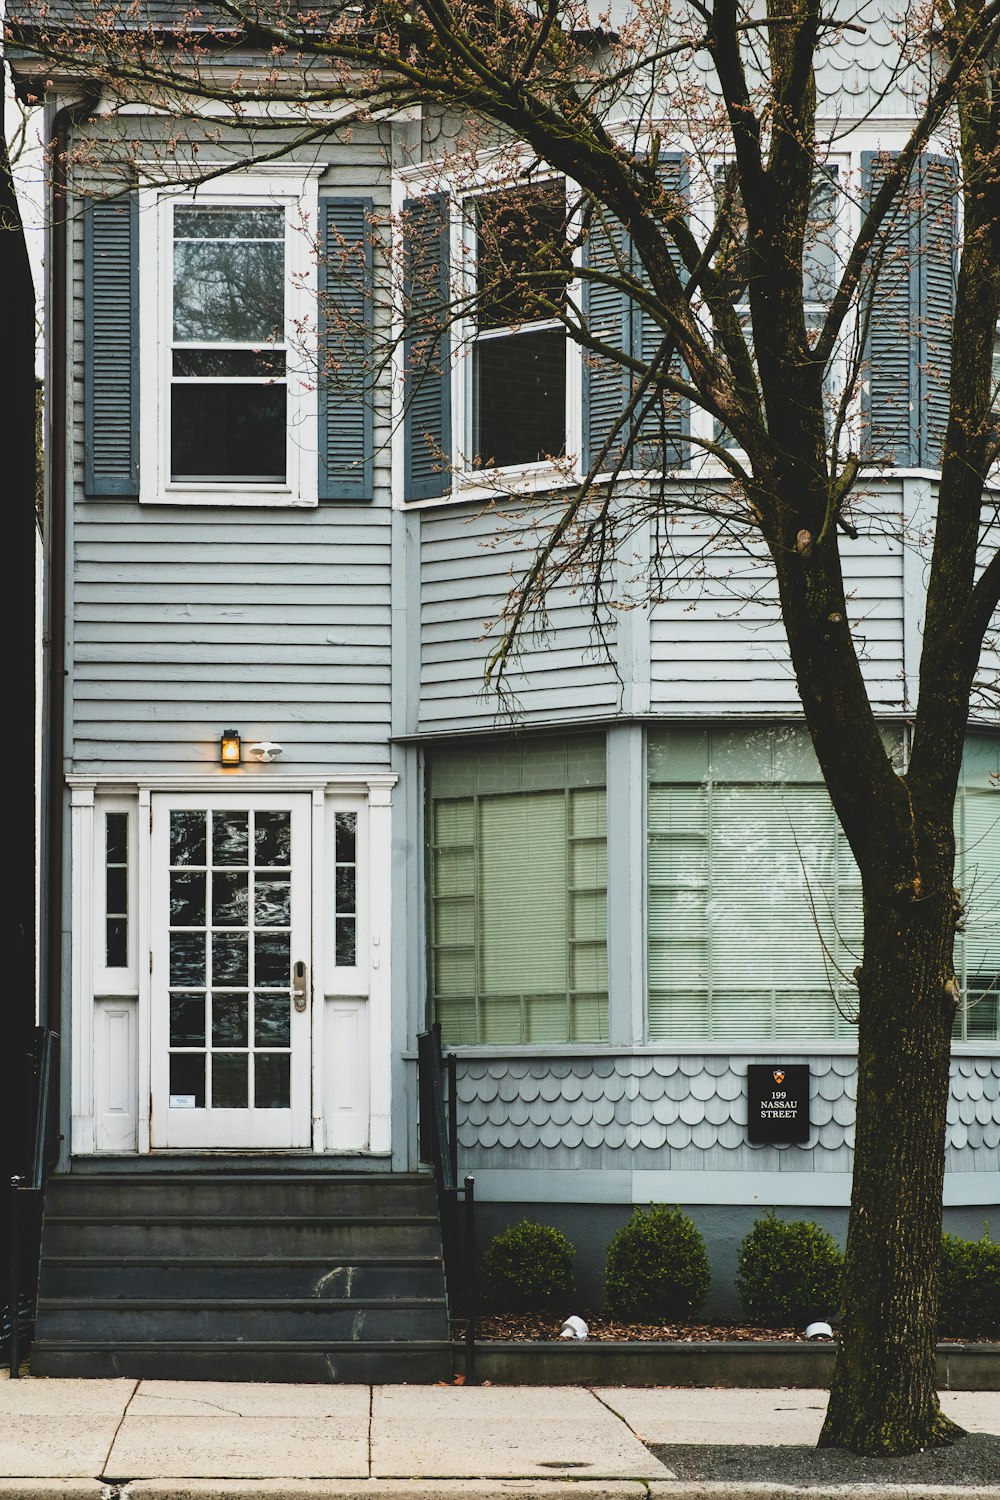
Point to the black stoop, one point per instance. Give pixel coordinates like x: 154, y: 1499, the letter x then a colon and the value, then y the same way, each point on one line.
x: 242, y: 1275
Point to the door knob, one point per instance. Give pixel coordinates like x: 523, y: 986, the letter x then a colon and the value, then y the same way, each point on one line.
x: 300, y: 985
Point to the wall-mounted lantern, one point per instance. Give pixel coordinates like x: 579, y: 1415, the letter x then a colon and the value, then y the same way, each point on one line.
x: 229, y: 748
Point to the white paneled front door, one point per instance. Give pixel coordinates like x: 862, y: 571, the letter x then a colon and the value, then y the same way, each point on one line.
x: 231, y: 971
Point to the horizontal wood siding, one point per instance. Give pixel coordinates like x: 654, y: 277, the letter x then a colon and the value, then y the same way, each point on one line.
x: 465, y: 570
x: 716, y: 639
x: 276, y: 624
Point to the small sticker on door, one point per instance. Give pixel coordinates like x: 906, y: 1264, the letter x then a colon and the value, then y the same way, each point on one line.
x: 182, y: 1101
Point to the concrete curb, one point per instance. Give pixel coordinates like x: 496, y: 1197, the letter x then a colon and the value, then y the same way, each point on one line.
x: 470, y: 1489
x: 960, y: 1367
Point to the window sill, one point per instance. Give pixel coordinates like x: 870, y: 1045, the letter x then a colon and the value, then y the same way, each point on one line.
x: 226, y: 496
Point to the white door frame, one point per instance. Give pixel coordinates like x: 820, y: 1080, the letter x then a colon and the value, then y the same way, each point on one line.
x: 369, y: 983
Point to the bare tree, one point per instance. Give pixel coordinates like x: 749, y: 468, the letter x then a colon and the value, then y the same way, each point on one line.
x: 736, y: 331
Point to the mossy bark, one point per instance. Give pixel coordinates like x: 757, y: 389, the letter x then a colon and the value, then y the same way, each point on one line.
x: 884, y: 1393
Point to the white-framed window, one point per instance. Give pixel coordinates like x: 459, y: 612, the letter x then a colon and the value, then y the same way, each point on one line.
x: 115, y: 896
x: 228, y: 315
x: 346, y: 896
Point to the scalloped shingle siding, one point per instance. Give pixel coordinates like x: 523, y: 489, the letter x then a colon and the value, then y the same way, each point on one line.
x: 684, y: 1113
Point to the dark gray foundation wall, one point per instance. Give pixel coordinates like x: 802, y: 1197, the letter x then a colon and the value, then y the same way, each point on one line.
x: 590, y: 1226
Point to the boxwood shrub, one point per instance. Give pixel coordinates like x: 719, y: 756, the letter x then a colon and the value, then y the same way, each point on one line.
x: 528, y: 1267
x: 789, y: 1272
x: 969, y: 1292
x: 657, y: 1267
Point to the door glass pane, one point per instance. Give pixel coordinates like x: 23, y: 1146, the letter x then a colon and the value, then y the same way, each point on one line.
x: 229, y: 1080
x: 272, y: 1080
x: 187, y: 898
x: 187, y: 958
x: 273, y: 958
x: 187, y: 838
x: 116, y: 890
x: 187, y: 1020
x: 230, y: 838
x: 230, y: 958
x: 187, y: 1080
x: 272, y: 902
x: 230, y: 898
x: 229, y: 1020
x: 272, y: 838
x: 272, y: 1021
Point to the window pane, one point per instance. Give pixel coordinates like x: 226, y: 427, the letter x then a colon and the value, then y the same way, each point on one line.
x: 228, y: 284
x: 520, y: 398
x: 228, y: 432
x: 522, y: 258
x: 272, y: 1080
x: 229, y: 1080
x: 187, y: 1078
x: 232, y: 364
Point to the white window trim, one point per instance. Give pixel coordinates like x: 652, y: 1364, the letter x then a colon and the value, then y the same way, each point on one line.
x: 292, y: 186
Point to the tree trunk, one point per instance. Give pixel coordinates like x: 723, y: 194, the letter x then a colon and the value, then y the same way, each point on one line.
x: 883, y: 1397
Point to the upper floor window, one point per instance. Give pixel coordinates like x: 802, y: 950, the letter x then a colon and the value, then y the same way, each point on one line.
x: 228, y: 338
x: 522, y: 265
x: 228, y: 377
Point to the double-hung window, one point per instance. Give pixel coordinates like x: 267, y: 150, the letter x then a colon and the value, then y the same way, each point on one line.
x: 522, y: 267
x: 228, y: 276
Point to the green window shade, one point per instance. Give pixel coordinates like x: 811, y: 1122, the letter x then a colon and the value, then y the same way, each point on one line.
x: 754, y: 913
x: 518, y: 901
x: 977, y: 950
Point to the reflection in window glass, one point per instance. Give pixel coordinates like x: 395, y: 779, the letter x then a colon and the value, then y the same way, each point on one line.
x: 116, y: 891
x: 345, y: 890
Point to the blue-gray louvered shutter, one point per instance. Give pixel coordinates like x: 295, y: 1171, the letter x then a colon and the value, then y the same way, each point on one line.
x: 607, y: 310
x: 938, y: 240
x: 111, y: 348
x: 346, y: 365
x: 426, y: 349
x: 662, y: 438
x: 907, y: 350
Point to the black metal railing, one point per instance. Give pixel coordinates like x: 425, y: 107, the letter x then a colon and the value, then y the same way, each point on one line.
x: 26, y: 1194
x: 456, y: 1203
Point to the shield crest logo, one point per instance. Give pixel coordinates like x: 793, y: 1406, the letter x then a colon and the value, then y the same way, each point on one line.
x: 778, y: 1076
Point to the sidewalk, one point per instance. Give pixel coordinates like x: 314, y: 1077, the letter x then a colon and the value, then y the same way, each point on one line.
x: 175, y: 1440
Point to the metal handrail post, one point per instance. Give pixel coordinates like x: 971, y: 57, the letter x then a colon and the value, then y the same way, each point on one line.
x: 14, y: 1289
x: 470, y: 1281
x: 451, y: 1066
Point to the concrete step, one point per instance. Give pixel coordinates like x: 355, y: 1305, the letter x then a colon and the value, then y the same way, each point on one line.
x: 226, y: 1320
x: 387, y: 1278
x: 148, y: 1195
x: 337, y: 1238
x: 317, y: 1362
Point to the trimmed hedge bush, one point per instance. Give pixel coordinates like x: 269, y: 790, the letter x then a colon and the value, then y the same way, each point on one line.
x: 969, y: 1293
x: 657, y: 1267
x: 529, y: 1267
x: 789, y: 1272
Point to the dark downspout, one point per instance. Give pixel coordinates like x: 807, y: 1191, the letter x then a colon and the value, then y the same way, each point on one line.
x: 54, y: 625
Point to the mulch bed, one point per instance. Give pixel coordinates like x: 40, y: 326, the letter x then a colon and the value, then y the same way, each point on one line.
x: 534, y: 1328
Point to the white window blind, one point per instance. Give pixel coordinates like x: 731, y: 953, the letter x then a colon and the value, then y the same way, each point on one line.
x: 518, y: 882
